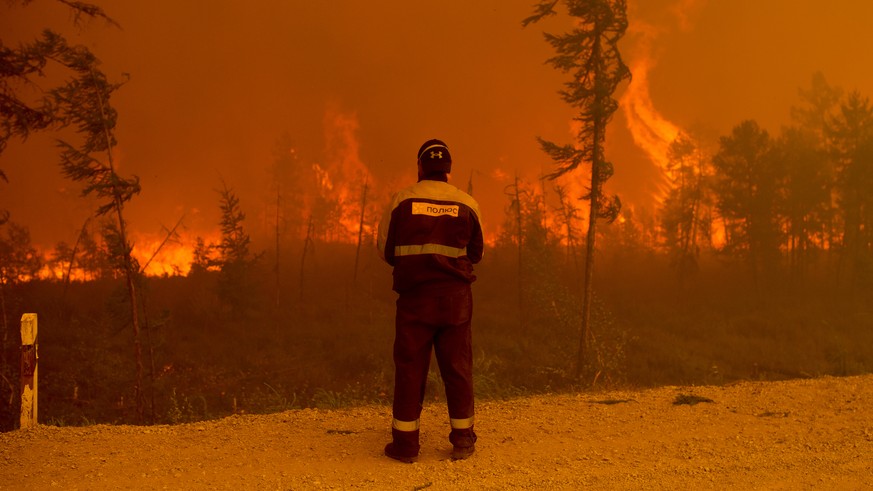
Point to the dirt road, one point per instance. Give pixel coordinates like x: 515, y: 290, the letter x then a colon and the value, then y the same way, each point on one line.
x: 801, y: 434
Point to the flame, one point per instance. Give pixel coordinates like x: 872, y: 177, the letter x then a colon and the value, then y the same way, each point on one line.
x: 343, y: 176
x: 173, y: 258
x: 323, y: 178
x: 651, y: 131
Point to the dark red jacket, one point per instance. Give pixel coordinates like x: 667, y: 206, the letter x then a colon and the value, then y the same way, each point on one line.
x: 432, y: 235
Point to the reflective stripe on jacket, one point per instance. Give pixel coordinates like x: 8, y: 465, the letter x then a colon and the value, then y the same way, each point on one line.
x: 432, y: 235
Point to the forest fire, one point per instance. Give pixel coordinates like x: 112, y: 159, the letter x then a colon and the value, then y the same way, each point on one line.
x: 650, y: 130
x: 742, y: 249
x: 343, y: 182
x: 160, y: 256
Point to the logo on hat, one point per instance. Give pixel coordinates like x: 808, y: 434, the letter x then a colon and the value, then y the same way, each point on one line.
x: 435, y: 156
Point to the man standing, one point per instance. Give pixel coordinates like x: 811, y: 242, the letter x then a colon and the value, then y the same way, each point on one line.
x: 431, y: 235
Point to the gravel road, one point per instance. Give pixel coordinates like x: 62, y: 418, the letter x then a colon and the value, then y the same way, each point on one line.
x: 798, y: 434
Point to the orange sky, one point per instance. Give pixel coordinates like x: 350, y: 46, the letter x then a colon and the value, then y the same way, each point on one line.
x: 214, y: 84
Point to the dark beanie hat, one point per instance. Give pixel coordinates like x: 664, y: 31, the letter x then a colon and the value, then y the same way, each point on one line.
x: 434, y: 157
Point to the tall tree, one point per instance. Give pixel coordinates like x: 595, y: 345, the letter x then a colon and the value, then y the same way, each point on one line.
x: 819, y: 102
x: 683, y: 221
x: 22, y: 70
x: 589, y: 53
x: 84, y: 103
x: 745, y: 185
x: 814, y: 119
x: 851, y: 131
x: 235, y: 259
x: 805, y: 200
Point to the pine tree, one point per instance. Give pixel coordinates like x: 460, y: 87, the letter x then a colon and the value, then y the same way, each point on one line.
x: 746, y: 187
x: 234, y: 257
x: 21, y: 68
x: 589, y: 53
x: 84, y: 103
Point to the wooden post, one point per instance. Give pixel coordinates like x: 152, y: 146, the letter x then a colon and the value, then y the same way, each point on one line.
x: 28, y: 371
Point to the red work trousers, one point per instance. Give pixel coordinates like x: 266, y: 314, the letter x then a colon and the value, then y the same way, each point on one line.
x: 438, y: 322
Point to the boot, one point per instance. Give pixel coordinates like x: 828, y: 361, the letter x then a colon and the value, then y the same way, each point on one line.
x: 405, y: 446
x: 463, y: 443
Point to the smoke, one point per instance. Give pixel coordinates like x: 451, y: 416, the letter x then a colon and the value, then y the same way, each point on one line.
x: 212, y: 89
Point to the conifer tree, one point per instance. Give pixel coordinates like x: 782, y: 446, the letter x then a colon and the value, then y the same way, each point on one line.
x: 589, y: 53
x: 746, y: 187
x: 20, y: 71
x: 234, y: 257
x: 83, y: 102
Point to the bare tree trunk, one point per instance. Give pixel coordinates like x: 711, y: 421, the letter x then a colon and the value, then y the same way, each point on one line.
x: 129, y: 271
x: 521, y: 311
x: 170, y: 234
x: 134, y: 310
x: 306, y: 242
x: 151, y: 348
x: 588, y: 278
x: 67, y: 276
x: 583, y: 354
x: 147, y: 325
x: 277, y: 271
x: 360, y: 231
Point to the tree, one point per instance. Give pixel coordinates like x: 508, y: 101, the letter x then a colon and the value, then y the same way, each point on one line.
x: 819, y: 100
x: 682, y: 219
x: 234, y: 257
x: 202, y: 260
x: 814, y: 119
x: 745, y: 185
x: 84, y: 103
x: 589, y: 52
x: 805, y: 200
x: 20, y: 69
x: 19, y: 261
x: 568, y: 214
x: 4, y: 214
x: 851, y: 131
x: 360, y: 228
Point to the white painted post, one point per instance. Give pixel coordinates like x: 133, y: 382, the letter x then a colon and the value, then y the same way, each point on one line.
x: 28, y: 371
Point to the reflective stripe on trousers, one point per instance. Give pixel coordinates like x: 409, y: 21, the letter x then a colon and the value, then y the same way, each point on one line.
x: 406, y: 425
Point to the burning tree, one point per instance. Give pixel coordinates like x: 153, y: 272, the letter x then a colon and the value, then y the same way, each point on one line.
x: 590, y: 53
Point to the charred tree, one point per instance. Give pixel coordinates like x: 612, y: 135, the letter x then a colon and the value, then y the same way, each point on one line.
x: 307, y: 244
x: 360, y: 229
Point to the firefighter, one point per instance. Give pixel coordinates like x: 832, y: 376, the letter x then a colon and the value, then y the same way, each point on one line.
x: 431, y: 235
